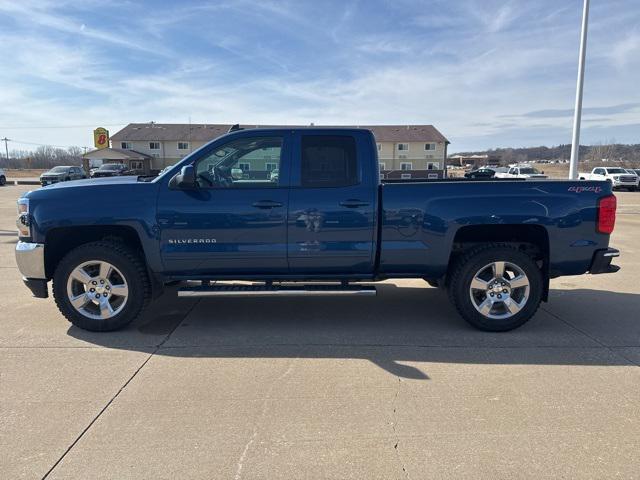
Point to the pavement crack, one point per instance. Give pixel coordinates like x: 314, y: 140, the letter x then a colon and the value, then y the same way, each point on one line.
x: 395, y: 432
x: 112, y: 399
x: 259, y: 421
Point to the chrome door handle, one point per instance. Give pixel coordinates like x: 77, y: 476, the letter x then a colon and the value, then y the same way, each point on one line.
x: 353, y: 203
x: 267, y: 204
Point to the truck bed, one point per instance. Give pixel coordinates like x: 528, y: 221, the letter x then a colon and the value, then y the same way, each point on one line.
x: 420, y: 221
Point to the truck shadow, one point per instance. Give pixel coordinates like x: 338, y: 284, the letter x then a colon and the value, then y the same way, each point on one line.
x: 402, y: 330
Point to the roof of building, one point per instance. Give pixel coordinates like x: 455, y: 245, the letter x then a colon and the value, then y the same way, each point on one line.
x: 126, y: 154
x: 206, y: 132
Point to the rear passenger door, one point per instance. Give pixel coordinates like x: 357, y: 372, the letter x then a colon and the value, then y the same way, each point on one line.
x: 332, y: 206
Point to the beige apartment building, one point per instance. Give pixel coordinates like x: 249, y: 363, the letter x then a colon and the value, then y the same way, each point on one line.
x: 403, y: 150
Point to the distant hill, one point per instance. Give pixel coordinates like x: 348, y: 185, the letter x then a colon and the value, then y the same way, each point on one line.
x: 593, y: 153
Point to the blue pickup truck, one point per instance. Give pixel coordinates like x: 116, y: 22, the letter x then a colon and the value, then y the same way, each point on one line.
x: 302, y: 211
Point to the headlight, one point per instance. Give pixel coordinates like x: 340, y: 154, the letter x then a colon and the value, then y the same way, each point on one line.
x: 23, y: 222
x: 616, y: 177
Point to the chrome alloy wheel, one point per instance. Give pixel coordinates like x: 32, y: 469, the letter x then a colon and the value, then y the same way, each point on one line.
x: 499, y: 290
x: 97, y: 289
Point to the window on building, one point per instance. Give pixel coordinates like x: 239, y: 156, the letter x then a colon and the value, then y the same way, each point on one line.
x: 406, y: 166
x: 433, y: 166
x: 155, y: 155
x: 136, y: 165
x: 403, y: 147
x: 329, y: 161
x: 270, y: 166
x: 239, y: 164
x: 126, y: 145
x: 379, y: 147
x: 429, y: 146
x: 382, y: 166
x: 183, y: 145
x: 154, y: 145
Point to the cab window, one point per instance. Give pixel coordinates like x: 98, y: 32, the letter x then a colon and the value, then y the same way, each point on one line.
x: 247, y: 162
x: 329, y: 161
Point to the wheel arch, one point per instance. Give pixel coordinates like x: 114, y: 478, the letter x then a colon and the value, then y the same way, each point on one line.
x: 531, y: 239
x: 60, y: 240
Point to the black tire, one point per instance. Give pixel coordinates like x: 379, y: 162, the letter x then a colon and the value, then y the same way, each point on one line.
x: 466, y: 267
x: 3, y: 181
x: 126, y: 261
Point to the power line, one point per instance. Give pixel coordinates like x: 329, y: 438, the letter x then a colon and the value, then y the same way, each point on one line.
x: 5, y: 140
x: 29, y: 127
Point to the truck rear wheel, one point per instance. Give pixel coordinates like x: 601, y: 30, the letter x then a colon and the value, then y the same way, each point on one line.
x: 496, y: 287
x: 101, y: 286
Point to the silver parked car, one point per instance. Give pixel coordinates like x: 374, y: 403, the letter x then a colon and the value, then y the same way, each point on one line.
x: 61, y: 174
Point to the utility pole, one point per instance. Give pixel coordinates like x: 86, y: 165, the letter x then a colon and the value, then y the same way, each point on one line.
x: 6, y: 147
x: 577, y: 117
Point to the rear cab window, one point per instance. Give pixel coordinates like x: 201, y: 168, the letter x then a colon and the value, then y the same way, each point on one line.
x: 328, y: 161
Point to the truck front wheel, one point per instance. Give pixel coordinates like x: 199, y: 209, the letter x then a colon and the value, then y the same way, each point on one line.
x: 495, y: 287
x: 101, y: 286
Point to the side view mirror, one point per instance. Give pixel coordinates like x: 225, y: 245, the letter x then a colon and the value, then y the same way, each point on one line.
x: 186, y: 179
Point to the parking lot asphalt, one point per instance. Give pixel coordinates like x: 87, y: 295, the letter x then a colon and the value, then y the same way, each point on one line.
x: 396, y: 386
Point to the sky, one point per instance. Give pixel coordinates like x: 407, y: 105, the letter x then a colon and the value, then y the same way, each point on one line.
x: 486, y: 73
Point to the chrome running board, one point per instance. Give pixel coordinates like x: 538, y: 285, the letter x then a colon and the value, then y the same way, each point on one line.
x: 241, y: 290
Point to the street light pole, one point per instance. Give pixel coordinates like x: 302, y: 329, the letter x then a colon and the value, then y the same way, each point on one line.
x: 577, y: 117
x: 6, y: 147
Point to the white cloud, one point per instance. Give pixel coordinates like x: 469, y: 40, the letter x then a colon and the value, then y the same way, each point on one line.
x: 471, y: 68
x: 627, y: 50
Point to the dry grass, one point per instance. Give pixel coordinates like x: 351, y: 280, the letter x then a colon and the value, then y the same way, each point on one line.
x: 24, y: 173
x: 554, y: 170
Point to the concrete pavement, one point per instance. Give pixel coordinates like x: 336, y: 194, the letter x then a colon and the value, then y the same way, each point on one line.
x: 397, y: 386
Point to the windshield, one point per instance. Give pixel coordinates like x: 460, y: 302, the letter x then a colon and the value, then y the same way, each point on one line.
x: 59, y: 169
x: 616, y: 170
x: 529, y: 171
x: 111, y: 166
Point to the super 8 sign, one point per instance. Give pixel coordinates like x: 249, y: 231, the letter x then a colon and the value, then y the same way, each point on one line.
x: 101, y: 137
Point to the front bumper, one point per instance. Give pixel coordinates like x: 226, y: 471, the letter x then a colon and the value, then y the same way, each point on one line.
x: 44, y: 181
x: 621, y: 184
x: 30, y: 260
x: 601, y: 262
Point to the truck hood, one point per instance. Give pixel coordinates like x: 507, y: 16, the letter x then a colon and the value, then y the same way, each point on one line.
x: 118, y: 180
x: 89, y: 187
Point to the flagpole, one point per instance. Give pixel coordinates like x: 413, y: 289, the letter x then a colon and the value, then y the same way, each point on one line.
x: 577, y: 117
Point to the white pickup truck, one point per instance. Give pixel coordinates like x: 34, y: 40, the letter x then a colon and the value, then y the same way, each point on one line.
x: 521, y: 171
x: 618, y: 177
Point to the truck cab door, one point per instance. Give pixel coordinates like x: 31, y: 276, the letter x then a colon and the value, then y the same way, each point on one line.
x: 599, y: 174
x: 332, y: 204
x: 233, y: 222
